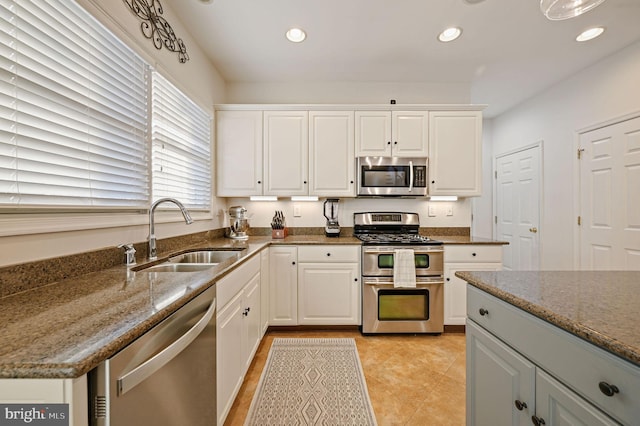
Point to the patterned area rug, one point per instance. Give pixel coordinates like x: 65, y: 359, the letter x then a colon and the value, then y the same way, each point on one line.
x: 312, y: 382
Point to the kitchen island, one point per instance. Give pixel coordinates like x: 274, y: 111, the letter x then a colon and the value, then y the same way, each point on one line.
x: 553, y: 345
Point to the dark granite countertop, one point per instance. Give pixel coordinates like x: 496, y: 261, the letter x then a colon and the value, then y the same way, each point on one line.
x: 66, y: 328
x: 453, y: 240
x: 600, y: 307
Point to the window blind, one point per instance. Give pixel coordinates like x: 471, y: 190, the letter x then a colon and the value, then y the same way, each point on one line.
x: 73, y: 110
x: 181, y: 135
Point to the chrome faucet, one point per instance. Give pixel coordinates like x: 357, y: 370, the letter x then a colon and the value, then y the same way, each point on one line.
x: 153, y: 255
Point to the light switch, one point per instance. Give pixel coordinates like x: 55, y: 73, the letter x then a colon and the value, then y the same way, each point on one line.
x: 296, y: 210
x: 432, y: 211
x: 450, y: 211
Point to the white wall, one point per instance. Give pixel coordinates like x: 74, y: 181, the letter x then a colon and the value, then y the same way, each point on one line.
x: 348, y: 92
x: 604, y: 91
x: 197, y: 77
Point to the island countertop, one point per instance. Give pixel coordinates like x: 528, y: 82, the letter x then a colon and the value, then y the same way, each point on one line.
x: 601, y: 307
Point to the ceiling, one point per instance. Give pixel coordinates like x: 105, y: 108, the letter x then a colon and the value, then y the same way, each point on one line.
x: 508, y: 50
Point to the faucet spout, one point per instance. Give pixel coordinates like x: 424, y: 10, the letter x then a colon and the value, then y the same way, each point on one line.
x: 153, y: 255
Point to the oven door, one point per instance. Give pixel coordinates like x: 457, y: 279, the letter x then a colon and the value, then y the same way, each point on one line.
x: 379, y: 176
x: 379, y: 260
x: 388, y: 309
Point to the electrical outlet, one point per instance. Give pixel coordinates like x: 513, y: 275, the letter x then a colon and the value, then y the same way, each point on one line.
x: 432, y: 211
x: 450, y: 211
x: 297, y: 211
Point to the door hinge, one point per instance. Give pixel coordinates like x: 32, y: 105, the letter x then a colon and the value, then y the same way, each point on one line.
x: 579, y: 220
x: 495, y: 219
x: 495, y: 174
x: 580, y: 151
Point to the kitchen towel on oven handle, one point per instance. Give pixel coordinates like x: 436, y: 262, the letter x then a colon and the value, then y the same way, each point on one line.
x: 404, y: 268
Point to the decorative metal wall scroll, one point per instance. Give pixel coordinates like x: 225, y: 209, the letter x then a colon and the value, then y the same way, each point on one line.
x: 156, y: 28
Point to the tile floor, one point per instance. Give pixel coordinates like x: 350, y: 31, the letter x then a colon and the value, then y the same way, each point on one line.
x: 412, y: 379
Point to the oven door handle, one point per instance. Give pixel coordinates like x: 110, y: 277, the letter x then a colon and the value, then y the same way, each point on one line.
x: 410, y: 176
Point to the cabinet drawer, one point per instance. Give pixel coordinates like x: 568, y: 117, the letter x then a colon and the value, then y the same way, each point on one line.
x: 328, y: 253
x: 472, y: 253
x: 578, y: 364
x: 231, y: 284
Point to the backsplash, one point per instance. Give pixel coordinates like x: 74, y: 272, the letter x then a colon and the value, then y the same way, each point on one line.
x: 27, y: 276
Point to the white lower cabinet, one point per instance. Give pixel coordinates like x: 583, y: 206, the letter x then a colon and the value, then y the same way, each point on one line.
x: 523, y: 370
x: 314, y: 285
x: 283, y: 285
x: 328, y: 285
x: 465, y: 257
x: 239, y: 330
x: 49, y: 391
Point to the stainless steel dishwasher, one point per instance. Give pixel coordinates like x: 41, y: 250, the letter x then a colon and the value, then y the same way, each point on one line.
x: 165, y: 377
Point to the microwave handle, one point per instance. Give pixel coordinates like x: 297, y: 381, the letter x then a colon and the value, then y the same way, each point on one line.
x: 410, y: 176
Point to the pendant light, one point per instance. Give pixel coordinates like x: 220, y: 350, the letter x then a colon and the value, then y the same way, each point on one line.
x: 557, y: 10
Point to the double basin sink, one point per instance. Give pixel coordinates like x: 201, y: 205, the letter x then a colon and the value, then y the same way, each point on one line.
x: 193, y: 261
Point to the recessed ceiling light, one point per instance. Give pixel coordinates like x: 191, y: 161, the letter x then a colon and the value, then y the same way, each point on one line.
x: 296, y: 35
x: 449, y: 34
x: 590, y: 34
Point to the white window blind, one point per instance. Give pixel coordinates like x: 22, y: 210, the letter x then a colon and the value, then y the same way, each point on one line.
x: 73, y: 110
x: 181, y: 134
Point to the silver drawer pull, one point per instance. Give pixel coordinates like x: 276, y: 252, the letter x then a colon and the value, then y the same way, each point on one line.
x: 483, y: 312
x: 608, y: 389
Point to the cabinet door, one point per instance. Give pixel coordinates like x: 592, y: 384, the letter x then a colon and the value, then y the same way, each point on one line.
x: 239, y: 153
x: 328, y: 294
x: 230, y: 363
x: 559, y: 406
x: 264, y: 289
x: 497, y: 377
x: 252, y: 321
x: 455, y: 290
x: 373, y: 133
x: 331, y: 153
x: 283, y: 286
x: 410, y: 135
x: 286, y: 152
x: 455, y: 153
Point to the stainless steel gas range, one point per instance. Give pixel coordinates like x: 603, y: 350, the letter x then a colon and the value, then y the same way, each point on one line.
x: 417, y: 304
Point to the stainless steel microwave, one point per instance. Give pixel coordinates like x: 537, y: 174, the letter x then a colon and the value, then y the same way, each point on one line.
x: 392, y: 176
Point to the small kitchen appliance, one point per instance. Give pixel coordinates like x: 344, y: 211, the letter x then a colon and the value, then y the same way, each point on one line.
x: 389, y: 306
x: 239, y: 223
x: 332, y: 228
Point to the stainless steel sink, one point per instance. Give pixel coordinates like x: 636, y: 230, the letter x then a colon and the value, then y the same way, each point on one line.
x: 179, y: 267
x: 205, y: 256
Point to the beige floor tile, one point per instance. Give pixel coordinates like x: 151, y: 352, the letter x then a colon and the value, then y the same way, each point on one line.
x: 412, y: 379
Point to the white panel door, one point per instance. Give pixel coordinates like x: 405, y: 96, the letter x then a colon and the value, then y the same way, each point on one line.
x: 518, y: 208
x: 610, y: 197
x: 373, y: 133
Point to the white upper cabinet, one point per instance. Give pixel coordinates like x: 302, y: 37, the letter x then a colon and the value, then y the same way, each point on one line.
x: 286, y: 152
x: 331, y: 154
x: 392, y: 133
x: 239, y: 153
x: 455, y: 153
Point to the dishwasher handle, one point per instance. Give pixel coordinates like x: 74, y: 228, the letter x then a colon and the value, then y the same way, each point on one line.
x: 131, y: 379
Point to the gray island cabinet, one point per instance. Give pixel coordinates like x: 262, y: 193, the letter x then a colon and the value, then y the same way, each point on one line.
x: 552, y: 348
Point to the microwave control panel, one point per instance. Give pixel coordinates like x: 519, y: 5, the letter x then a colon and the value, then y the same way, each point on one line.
x: 420, y: 176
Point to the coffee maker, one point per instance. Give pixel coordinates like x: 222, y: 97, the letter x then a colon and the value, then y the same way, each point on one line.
x: 239, y: 223
x: 332, y: 228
